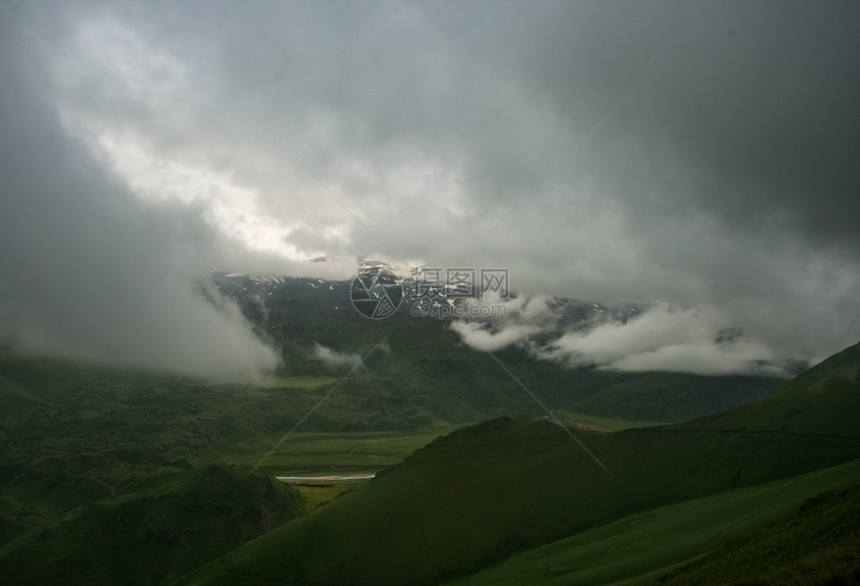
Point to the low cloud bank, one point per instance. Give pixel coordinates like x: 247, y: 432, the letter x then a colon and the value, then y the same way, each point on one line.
x: 666, y: 339
x: 656, y: 338
x: 334, y: 359
x: 91, y: 271
x: 477, y: 336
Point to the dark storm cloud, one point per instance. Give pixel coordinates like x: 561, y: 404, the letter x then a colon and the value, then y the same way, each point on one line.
x: 88, y: 271
x: 693, y: 153
x: 723, y: 169
x: 756, y: 99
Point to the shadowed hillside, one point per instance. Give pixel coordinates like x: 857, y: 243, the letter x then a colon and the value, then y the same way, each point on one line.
x: 171, y: 524
x: 482, y: 493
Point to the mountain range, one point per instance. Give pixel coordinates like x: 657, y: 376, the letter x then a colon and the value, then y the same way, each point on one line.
x: 487, y: 468
x: 427, y: 360
x: 468, y: 502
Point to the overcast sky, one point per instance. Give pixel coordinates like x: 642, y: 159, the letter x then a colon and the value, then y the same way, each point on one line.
x: 692, y: 154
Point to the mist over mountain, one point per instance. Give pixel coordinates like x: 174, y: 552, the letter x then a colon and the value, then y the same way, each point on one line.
x: 572, y: 333
x: 390, y: 292
x: 698, y: 159
x: 515, y: 501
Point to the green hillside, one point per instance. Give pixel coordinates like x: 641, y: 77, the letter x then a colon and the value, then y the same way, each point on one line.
x: 169, y: 525
x: 119, y: 476
x: 481, y: 493
x: 817, y: 545
x: 762, y: 534
x: 426, y: 361
x: 99, y: 465
x: 823, y: 400
x: 673, y: 396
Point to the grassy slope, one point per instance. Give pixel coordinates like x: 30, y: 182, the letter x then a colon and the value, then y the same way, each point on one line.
x: 77, y: 437
x: 676, y: 396
x: 312, y: 453
x: 465, y: 502
x: 99, y: 467
x: 641, y: 547
x: 475, y: 496
x: 429, y: 364
x: 823, y: 400
x: 818, y: 545
x: 173, y: 523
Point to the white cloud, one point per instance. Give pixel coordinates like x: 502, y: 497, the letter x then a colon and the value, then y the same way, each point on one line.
x: 478, y: 336
x: 619, y: 174
x: 702, y: 357
x: 663, y: 338
x: 335, y: 359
